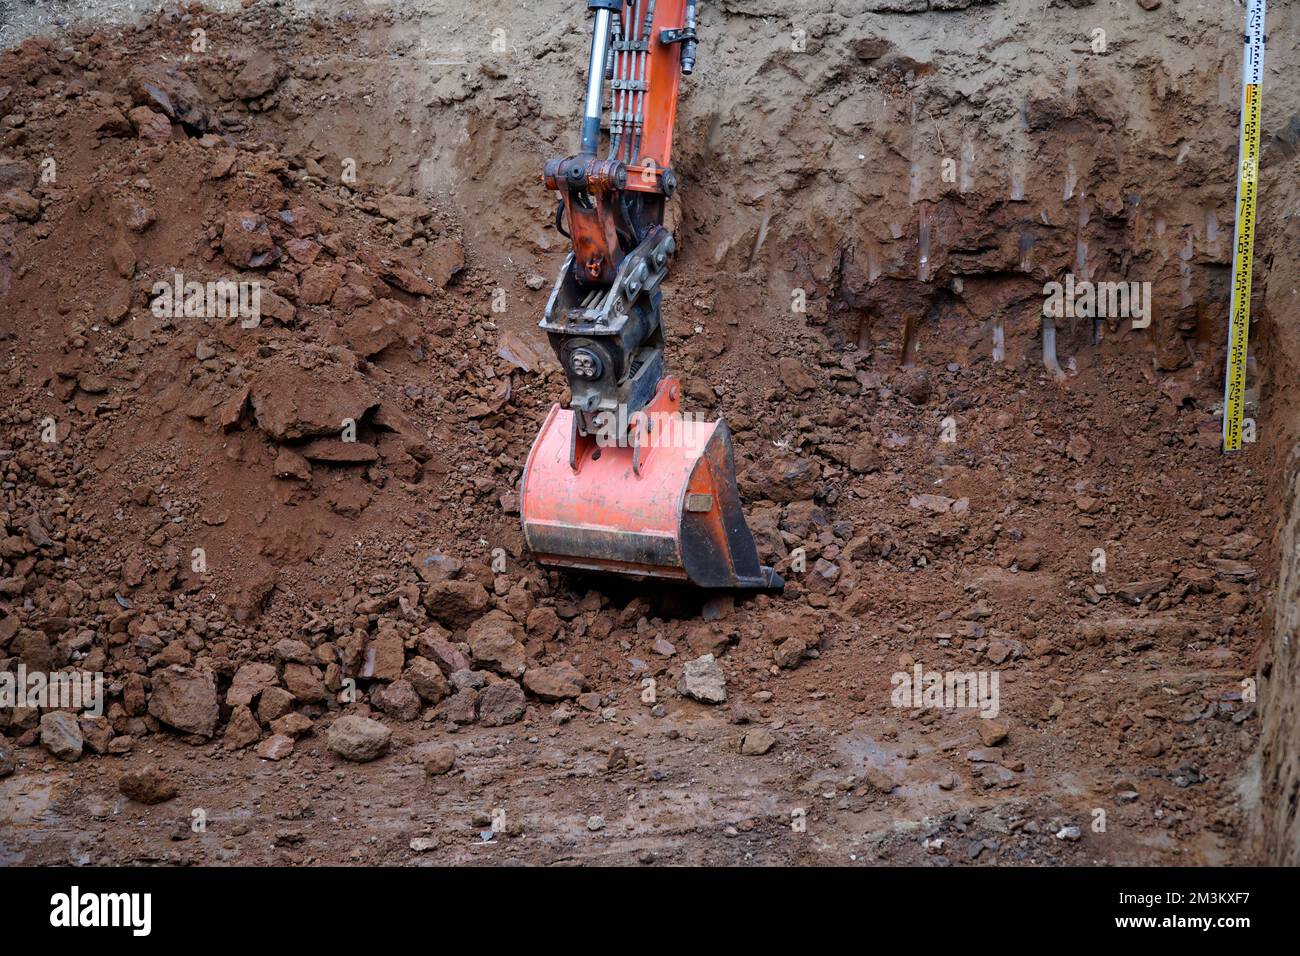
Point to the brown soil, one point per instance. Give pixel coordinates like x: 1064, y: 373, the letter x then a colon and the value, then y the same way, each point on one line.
x: 1120, y: 691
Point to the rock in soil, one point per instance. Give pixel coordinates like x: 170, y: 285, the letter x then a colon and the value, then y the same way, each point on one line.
x: 359, y: 739
x: 149, y: 786
x: 757, y: 742
x: 501, y: 703
x: 186, y: 700
x: 61, y: 735
x: 560, y: 681
x: 275, y: 747
x: 703, y: 680
x: 440, y: 760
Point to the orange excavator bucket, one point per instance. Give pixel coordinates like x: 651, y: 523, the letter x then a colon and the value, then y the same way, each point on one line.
x: 663, y: 504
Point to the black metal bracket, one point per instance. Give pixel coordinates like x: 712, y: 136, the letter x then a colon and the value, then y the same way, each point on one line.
x: 677, y: 36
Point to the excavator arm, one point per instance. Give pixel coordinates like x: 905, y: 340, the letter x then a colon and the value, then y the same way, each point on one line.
x: 619, y: 480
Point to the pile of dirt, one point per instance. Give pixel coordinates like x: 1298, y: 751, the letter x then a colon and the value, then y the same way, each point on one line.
x: 258, y: 526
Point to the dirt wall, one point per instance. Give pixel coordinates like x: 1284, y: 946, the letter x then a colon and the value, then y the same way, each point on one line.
x: 1279, y: 679
x: 1279, y: 354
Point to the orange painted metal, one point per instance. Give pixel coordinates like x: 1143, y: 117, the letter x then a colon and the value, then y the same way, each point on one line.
x: 602, y: 495
x: 662, y: 75
x: 591, y: 222
x: 666, y: 509
x: 645, y: 179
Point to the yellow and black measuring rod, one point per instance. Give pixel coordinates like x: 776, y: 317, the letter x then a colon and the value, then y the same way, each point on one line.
x: 1243, y: 256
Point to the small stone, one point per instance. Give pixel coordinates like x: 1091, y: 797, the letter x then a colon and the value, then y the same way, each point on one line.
x: 914, y: 385
x: 757, y: 742
x: 274, y: 702
x: 242, y: 729
x: 939, y: 504
x: 305, y: 683
x: 789, y: 653
x: 494, y: 647
x: 878, y: 780
x: 742, y: 713
x: 290, y: 651
x: 440, y: 760
x: 427, y: 679
x: 1079, y: 448
x: 795, y: 377
x: 1029, y: 556
x: 275, y: 747
x: 290, y: 464
x: 292, y: 724
x: 383, y: 657
x: 359, y: 739
x: 468, y: 680
x: 864, y: 457
x: 398, y: 699
x: 186, y: 700
x: 246, y: 240
x: 992, y: 732
x: 708, y: 640
x: 456, y: 603
x: 461, y: 707
x: 250, y: 680
x: 259, y: 75
x: 501, y: 703
x: 595, y: 823
x: 558, y: 682
x: 997, y: 651
x: 703, y: 680
x: 61, y: 735
x: 21, y: 204
x: 148, y: 786
x: 442, y: 652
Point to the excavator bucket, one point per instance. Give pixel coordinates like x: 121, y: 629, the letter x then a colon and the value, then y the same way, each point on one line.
x: 662, y: 503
